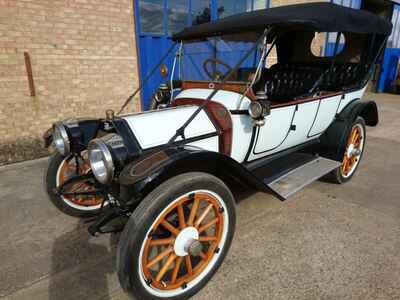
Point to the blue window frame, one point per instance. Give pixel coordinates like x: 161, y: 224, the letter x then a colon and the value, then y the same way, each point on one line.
x: 165, y: 17
x: 150, y: 10
x: 157, y: 20
x: 348, y: 3
x: 177, y: 15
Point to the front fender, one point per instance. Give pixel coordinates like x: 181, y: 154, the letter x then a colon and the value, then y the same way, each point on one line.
x: 144, y: 174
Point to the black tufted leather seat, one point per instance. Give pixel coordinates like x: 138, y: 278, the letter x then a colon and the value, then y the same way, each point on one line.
x: 343, y: 76
x: 288, y: 81
x: 284, y: 82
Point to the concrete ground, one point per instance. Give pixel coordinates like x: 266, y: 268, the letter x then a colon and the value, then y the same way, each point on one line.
x: 328, y: 242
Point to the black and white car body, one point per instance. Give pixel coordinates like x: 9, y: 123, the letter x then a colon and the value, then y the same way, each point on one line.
x: 164, y: 176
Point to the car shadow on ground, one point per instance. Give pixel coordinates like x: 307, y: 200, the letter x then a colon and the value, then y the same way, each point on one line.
x: 241, y: 191
x: 81, y: 265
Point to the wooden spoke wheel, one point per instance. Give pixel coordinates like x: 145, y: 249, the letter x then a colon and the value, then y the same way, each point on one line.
x: 183, y: 241
x: 354, y: 150
x: 69, y: 169
x: 59, y: 170
x: 186, y: 227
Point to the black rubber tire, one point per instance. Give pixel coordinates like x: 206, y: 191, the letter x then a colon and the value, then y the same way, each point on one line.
x: 336, y: 175
x: 50, y: 182
x: 146, y: 213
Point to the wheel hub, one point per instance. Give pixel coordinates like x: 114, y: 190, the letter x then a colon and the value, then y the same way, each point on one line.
x: 350, y: 150
x: 186, y: 241
x: 194, y: 248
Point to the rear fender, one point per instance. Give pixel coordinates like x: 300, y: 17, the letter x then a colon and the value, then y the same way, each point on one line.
x: 334, y: 140
x: 365, y: 109
x: 144, y: 174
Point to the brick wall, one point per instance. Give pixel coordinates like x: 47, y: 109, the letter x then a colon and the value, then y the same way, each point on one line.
x: 83, y: 56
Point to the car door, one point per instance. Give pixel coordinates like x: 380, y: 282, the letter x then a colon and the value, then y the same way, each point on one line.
x: 292, y: 125
x: 270, y: 137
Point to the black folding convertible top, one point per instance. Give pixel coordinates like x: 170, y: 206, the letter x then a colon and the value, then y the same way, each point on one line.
x: 322, y: 17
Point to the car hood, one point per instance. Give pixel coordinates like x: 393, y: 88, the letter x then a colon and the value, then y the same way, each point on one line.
x: 231, y: 100
x: 155, y: 128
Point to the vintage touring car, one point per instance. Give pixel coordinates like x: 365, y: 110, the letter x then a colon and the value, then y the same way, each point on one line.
x: 164, y: 177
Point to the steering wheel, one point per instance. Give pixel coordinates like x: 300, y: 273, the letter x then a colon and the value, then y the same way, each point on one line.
x: 215, y: 75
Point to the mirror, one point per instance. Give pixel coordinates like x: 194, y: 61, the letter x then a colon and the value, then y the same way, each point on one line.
x: 164, y: 70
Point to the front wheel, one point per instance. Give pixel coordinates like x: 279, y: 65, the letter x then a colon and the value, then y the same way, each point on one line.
x: 353, y: 153
x: 59, y: 170
x: 177, y: 238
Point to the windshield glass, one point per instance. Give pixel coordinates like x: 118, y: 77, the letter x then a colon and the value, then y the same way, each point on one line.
x: 213, y: 58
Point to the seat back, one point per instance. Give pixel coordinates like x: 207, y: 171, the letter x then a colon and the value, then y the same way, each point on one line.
x: 287, y: 81
x: 343, y: 76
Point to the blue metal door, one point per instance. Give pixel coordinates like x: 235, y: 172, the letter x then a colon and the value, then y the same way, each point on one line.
x: 157, y: 20
x: 392, y: 55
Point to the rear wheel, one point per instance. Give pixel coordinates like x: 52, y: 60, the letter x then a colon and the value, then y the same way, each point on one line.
x: 177, y: 238
x: 353, y: 152
x: 61, y: 169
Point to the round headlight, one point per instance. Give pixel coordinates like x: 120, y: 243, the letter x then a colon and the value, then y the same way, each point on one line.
x: 101, y: 161
x: 255, y: 110
x: 60, y: 139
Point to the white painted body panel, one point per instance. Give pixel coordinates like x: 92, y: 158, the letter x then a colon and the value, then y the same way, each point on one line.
x: 210, y: 144
x: 241, y: 136
x: 274, y: 132
x: 156, y: 128
x: 303, y: 120
x: 326, y: 113
x: 230, y: 100
x: 242, y: 126
x: 311, y: 119
x: 276, y: 135
x: 350, y: 97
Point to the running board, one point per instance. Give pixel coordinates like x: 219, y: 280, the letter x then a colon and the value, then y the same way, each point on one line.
x: 298, y: 178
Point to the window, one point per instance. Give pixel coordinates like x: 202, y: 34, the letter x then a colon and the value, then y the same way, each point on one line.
x: 155, y: 15
x: 227, y: 7
x: 151, y: 16
x: 260, y: 4
x: 201, y: 11
x: 323, y: 44
x: 178, y: 11
x: 348, y: 3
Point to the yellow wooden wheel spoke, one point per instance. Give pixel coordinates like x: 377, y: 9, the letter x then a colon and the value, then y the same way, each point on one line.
x: 208, y: 225
x: 178, y: 263
x: 165, y: 267
x: 203, y: 215
x: 159, y: 257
